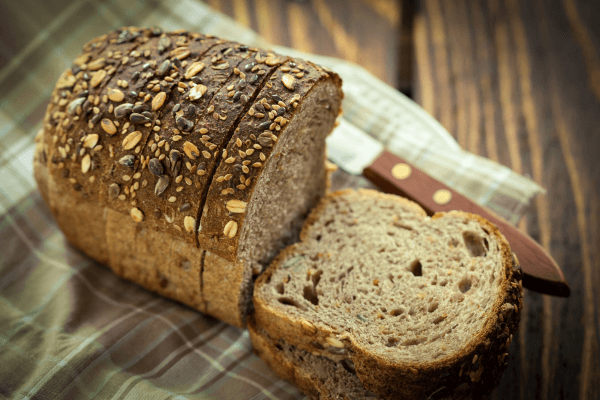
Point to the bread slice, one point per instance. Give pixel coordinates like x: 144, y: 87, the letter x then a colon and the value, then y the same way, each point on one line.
x: 317, y: 376
x: 264, y: 189
x: 415, y: 302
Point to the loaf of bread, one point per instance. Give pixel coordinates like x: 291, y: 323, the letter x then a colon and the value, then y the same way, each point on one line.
x: 185, y: 162
x: 377, y: 297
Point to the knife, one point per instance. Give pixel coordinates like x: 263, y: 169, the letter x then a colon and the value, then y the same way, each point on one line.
x: 358, y: 153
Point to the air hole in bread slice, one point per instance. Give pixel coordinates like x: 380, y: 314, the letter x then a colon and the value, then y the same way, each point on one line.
x: 439, y: 319
x: 464, y: 285
x: 291, y: 302
x: 474, y: 244
x: 392, y: 342
x: 433, y: 306
x: 397, y: 311
x: 453, y: 242
x: 348, y: 366
x: 310, y: 295
x: 416, y: 268
x: 280, y: 288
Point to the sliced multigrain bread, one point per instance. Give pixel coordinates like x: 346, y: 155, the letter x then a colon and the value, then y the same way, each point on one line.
x: 136, y: 129
x: 417, y: 303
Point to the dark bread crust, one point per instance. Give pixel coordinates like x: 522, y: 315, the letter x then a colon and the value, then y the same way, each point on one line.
x: 463, y: 375
x: 102, y: 192
x: 307, y: 380
x: 177, y: 209
x: 247, y: 152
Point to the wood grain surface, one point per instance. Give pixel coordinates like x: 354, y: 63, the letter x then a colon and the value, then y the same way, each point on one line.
x: 519, y: 83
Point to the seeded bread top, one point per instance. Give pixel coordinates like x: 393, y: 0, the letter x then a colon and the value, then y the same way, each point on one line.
x: 404, y: 296
x: 249, y: 149
x: 76, y: 100
x: 143, y: 119
x: 204, y: 123
x: 113, y: 121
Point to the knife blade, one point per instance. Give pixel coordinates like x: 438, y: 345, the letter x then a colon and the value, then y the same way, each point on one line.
x: 358, y: 153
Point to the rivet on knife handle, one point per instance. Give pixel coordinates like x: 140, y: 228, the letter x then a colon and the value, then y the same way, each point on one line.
x: 541, y: 273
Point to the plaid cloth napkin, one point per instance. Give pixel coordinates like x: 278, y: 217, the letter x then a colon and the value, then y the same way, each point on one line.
x: 71, y: 329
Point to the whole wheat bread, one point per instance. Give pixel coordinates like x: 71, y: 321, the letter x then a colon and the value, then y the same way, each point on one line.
x: 134, y: 133
x: 419, y: 305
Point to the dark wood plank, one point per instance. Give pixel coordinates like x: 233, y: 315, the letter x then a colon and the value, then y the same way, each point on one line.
x: 516, y: 82
x: 361, y: 31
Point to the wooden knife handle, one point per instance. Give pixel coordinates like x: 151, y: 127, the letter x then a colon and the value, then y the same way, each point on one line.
x: 394, y: 175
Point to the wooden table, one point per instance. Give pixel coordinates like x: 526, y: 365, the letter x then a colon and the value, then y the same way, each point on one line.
x: 518, y: 82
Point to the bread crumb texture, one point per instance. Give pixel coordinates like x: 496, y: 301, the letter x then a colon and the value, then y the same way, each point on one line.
x: 377, y: 282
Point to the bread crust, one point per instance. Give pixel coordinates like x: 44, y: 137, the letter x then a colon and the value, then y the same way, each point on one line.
x: 250, y: 149
x: 473, y: 371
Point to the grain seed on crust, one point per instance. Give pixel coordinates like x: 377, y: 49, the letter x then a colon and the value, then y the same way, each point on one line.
x: 288, y: 81
x: 132, y: 140
x: 90, y: 141
x: 108, y: 126
x: 86, y: 163
x: 230, y: 229
x: 197, y: 92
x: 335, y: 342
x: 98, y: 77
x: 115, y: 95
x: 194, y: 69
x: 191, y: 150
x: 236, y: 206
x: 189, y: 223
x: 158, y: 101
x: 137, y: 214
x: 113, y: 191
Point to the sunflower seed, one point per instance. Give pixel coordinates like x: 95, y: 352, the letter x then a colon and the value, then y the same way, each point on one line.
x: 72, y: 107
x: 127, y: 161
x: 156, y: 167
x: 164, y: 68
x: 86, y: 163
x: 184, y: 124
x: 264, y: 125
x: 174, y: 156
x: 139, y: 118
x: 289, y: 81
x: 161, y: 184
x: 163, y: 43
x: 123, y: 110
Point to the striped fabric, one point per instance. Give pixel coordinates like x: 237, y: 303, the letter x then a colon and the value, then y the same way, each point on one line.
x: 71, y: 329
